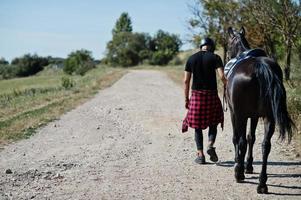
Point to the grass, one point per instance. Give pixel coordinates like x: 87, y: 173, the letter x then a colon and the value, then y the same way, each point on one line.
x: 293, y: 90
x: 31, y: 102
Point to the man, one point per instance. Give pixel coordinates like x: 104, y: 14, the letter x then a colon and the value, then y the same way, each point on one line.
x: 204, y: 106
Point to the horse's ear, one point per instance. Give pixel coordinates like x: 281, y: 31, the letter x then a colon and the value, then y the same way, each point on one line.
x: 242, y: 31
x: 231, y: 32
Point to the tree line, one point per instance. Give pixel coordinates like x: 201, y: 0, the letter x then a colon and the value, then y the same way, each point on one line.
x: 273, y: 25
x: 128, y: 48
x: 26, y: 65
x: 77, y: 62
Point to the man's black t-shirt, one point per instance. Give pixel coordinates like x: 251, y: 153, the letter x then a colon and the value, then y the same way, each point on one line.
x: 202, y: 65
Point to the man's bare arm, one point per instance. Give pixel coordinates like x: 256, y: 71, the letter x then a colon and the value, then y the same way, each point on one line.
x: 221, y: 74
x: 187, y: 78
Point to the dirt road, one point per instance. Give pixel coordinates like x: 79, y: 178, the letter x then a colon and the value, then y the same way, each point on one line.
x: 126, y: 143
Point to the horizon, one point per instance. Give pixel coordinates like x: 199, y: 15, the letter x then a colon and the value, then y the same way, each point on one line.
x: 58, y: 28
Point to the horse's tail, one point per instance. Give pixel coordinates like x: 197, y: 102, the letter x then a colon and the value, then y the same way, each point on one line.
x: 273, y: 92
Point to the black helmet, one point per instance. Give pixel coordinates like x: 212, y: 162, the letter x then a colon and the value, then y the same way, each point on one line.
x: 208, y: 41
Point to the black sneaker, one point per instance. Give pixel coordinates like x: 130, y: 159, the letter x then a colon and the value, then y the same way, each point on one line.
x: 200, y: 160
x: 211, y: 152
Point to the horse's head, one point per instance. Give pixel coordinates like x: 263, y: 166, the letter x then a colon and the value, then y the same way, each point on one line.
x: 237, y: 43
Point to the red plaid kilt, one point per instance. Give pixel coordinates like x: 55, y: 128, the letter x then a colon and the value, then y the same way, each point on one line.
x: 205, y: 109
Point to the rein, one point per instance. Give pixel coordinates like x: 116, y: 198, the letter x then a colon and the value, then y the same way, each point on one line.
x: 225, y: 107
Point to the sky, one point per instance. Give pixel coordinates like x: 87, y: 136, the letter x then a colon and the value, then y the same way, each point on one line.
x: 58, y: 27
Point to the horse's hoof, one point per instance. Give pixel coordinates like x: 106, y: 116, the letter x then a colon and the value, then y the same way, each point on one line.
x: 249, y: 170
x: 239, y: 180
x: 239, y: 177
x: 262, y: 189
x: 239, y: 173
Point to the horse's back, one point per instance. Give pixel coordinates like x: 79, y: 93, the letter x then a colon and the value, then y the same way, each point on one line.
x: 244, y: 90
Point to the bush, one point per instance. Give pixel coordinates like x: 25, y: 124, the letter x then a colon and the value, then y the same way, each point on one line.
x: 8, y: 71
x: 28, y: 65
x: 67, y: 82
x: 3, y: 61
x: 176, y: 61
x: 79, y: 62
x: 159, y: 58
x: 166, y: 46
x: 127, y: 49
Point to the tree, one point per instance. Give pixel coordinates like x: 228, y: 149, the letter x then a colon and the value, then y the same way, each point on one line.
x: 123, y: 24
x: 79, y: 62
x: 298, y: 46
x: 212, y: 18
x: 253, y: 18
x: 128, y: 49
x: 283, y: 17
x: 8, y: 71
x: 28, y: 64
x: 271, y: 24
x: 3, y: 61
x: 164, y: 47
x: 288, y: 23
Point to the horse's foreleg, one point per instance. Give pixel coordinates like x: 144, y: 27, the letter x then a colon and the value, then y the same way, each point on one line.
x: 269, y: 128
x: 240, y: 131
x: 251, y: 137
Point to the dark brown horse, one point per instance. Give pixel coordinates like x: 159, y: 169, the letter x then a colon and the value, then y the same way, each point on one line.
x: 254, y: 90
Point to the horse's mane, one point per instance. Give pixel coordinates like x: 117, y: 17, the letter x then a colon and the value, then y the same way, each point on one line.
x: 244, y: 41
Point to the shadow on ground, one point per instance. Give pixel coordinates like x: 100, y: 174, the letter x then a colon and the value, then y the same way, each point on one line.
x: 271, y: 163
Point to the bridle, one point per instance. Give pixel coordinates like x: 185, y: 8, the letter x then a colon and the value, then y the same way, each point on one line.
x: 241, y: 47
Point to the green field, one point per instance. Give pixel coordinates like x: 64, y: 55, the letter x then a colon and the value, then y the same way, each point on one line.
x: 28, y: 103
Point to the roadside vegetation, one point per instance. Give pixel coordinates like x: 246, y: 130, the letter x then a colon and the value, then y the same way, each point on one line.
x: 28, y: 103
x: 293, y: 90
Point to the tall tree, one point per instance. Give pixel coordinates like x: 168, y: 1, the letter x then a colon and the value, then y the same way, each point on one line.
x: 283, y: 17
x: 123, y: 24
x: 127, y: 49
x: 272, y: 24
x: 260, y: 33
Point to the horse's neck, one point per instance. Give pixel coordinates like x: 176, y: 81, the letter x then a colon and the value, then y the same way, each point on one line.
x: 241, y: 50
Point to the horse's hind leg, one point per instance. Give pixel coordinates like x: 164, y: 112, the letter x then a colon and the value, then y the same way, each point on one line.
x: 251, y: 140
x: 235, y: 138
x: 269, y: 128
x: 240, y: 132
